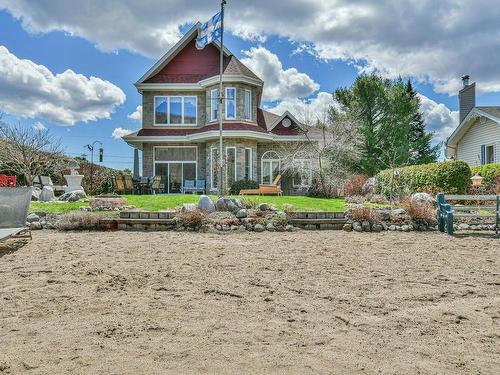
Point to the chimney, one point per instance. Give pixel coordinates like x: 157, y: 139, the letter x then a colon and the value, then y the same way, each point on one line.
x: 466, y: 97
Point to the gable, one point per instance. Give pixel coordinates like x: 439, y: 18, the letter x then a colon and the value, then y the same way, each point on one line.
x: 469, y: 121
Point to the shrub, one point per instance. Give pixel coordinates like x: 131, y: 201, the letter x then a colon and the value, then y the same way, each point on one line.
x: 448, y: 177
x: 236, y: 186
x: 250, y: 202
x: 191, y: 219
x: 362, y: 214
x: 355, y: 199
x: 355, y: 186
x: 79, y: 221
x: 491, y: 175
x: 420, y: 212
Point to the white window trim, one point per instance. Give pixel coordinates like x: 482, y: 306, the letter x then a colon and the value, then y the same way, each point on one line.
x: 249, y: 118
x: 262, y: 159
x: 175, y: 162
x: 235, y: 164
x: 227, y: 101
x: 167, y: 98
x: 486, y: 152
x: 212, y: 104
x: 250, y: 174
x: 301, y: 162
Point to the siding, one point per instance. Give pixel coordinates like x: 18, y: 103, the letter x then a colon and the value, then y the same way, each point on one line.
x: 483, y: 132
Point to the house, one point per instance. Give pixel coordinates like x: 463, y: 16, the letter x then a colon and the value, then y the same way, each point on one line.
x: 179, y: 138
x: 476, y: 140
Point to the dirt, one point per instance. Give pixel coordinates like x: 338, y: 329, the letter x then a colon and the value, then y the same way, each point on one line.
x: 294, y: 303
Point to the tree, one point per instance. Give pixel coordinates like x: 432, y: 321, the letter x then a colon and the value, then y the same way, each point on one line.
x: 28, y: 152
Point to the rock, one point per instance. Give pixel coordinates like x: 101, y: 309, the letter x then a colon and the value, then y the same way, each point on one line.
x: 218, y: 227
x: 365, y: 226
x: 377, y: 228
x: 264, y: 207
x: 242, y: 228
x: 280, y: 228
x: 32, y: 218
x: 241, y: 214
x: 369, y: 186
x: 206, y: 204
x: 422, y: 198
x: 36, y: 225
x: 227, y: 204
x: 35, y: 195
x: 270, y: 227
x: 289, y: 228
x: 406, y: 228
x: 47, y: 194
x: 258, y: 228
x: 392, y: 227
x: 72, y: 196
x: 347, y: 227
x: 188, y: 207
x: 356, y: 226
x: 234, y: 227
x: 384, y: 215
x: 180, y: 229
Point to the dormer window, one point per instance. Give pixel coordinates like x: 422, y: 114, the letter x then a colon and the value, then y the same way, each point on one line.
x: 248, y: 105
x: 230, y: 103
x: 175, y: 110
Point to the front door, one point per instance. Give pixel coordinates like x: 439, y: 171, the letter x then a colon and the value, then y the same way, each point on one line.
x: 174, y: 177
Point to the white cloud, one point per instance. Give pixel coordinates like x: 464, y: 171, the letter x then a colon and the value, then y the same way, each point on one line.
x: 31, y: 90
x: 306, y: 111
x: 438, y: 118
x: 279, y: 83
x: 39, y: 126
x: 422, y: 39
x: 137, y: 114
x: 118, y: 133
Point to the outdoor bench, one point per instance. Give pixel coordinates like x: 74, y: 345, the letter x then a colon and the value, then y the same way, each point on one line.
x: 446, y: 212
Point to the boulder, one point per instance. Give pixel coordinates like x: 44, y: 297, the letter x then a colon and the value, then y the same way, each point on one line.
x: 241, y: 214
x: 47, y: 194
x: 206, y: 204
x: 369, y: 186
x: 377, y: 228
x: 356, y: 226
x: 365, y: 226
x: 289, y: 228
x: 347, y: 227
x: 270, y: 227
x: 73, y: 196
x: 384, y: 215
x: 405, y: 228
x: 228, y: 204
x: 35, y: 195
x: 258, y: 228
x: 392, y: 227
x: 36, y: 225
x: 422, y: 198
x: 264, y: 207
x: 33, y: 218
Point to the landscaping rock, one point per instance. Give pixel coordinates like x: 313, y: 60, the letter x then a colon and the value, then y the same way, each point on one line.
x: 356, y: 226
x: 347, y: 227
x: 392, y: 227
x: 289, y: 228
x: 365, y: 226
x: 241, y: 214
x: 73, y: 196
x: 384, y: 215
x: 270, y: 227
x: 422, y: 198
x: 33, y: 218
x: 234, y: 227
x: 264, y: 207
x: 280, y: 228
x: 228, y: 204
x: 258, y: 228
x: 47, y: 194
x: 377, y: 228
x: 36, y: 225
x: 406, y: 228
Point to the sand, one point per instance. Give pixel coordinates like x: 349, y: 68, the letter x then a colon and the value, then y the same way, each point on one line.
x: 288, y: 303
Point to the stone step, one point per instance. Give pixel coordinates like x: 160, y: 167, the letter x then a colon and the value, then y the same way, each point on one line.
x: 147, y: 215
x: 319, y: 221
x: 317, y: 215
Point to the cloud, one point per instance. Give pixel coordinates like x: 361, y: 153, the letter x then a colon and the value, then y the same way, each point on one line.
x: 118, y: 133
x: 438, y: 118
x: 137, y: 114
x: 279, y: 83
x: 432, y: 42
x: 31, y: 90
x: 39, y: 126
x: 306, y: 111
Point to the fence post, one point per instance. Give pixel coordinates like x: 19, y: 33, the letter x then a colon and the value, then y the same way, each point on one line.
x: 440, y: 202
x: 449, y: 219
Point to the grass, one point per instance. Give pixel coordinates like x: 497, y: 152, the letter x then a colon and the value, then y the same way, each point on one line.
x: 165, y: 202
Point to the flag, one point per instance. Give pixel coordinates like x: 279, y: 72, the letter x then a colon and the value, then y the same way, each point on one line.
x: 209, y: 31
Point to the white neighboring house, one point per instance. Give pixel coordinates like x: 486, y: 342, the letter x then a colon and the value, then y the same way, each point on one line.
x: 476, y: 140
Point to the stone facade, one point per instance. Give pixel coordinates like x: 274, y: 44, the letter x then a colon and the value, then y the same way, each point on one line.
x: 240, y: 102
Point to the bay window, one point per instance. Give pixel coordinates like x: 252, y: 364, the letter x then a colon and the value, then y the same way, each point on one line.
x: 214, y: 103
x: 248, y: 105
x: 230, y: 103
x: 175, y: 110
x: 248, y: 164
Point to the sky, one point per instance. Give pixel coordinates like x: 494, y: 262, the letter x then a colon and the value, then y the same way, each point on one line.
x: 70, y: 66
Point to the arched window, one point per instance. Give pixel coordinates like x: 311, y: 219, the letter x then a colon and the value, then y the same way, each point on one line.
x: 270, y: 166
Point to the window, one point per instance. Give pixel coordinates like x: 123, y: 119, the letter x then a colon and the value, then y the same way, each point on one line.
x: 302, y: 176
x: 248, y: 163
x: 175, y: 164
x: 230, y: 103
x: 175, y: 110
x: 270, y: 167
x: 214, y: 167
x: 490, y: 154
x: 248, y: 105
x: 214, y: 102
x: 230, y: 165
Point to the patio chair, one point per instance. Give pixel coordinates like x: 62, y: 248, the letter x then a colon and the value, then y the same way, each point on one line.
x: 157, y: 185
x: 41, y: 181
x: 201, y: 186
x: 144, y: 185
x: 188, y: 187
x: 14, y: 206
x: 274, y: 188
x: 119, y: 184
x: 129, y: 184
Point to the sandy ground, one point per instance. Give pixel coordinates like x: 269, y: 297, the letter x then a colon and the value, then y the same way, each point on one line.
x: 305, y: 302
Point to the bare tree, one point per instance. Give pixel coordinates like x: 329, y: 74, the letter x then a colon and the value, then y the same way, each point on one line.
x: 27, y: 151
x: 330, y: 148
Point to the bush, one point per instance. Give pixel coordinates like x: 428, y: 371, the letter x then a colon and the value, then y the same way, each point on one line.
x: 355, y: 186
x: 79, y: 221
x: 362, y: 214
x: 491, y: 175
x: 191, y: 219
x: 452, y: 177
x: 236, y: 186
x: 420, y: 212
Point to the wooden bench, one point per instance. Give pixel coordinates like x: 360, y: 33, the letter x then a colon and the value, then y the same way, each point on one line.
x: 447, y: 212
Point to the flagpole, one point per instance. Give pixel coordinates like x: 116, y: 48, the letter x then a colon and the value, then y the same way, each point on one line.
x: 221, y: 189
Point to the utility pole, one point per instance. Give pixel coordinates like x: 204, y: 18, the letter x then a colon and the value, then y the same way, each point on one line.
x: 101, y: 155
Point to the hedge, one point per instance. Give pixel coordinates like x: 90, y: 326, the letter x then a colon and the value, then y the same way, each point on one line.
x: 236, y: 186
x: 488, y: 171
x: 451, y: 177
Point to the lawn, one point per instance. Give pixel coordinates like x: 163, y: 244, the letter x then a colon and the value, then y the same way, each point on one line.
x: 164, y: 202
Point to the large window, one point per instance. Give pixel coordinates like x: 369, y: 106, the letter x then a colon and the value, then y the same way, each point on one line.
x: 490, y: 154
x: 248, y: 163
x: 230, y: 103
x: 302, y: 173
x: 175, y: 165
x: 248, y: 105
x: 230, y: 165
x: 175, y: 110
x: 270, y: 167
x: 214, y: 102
